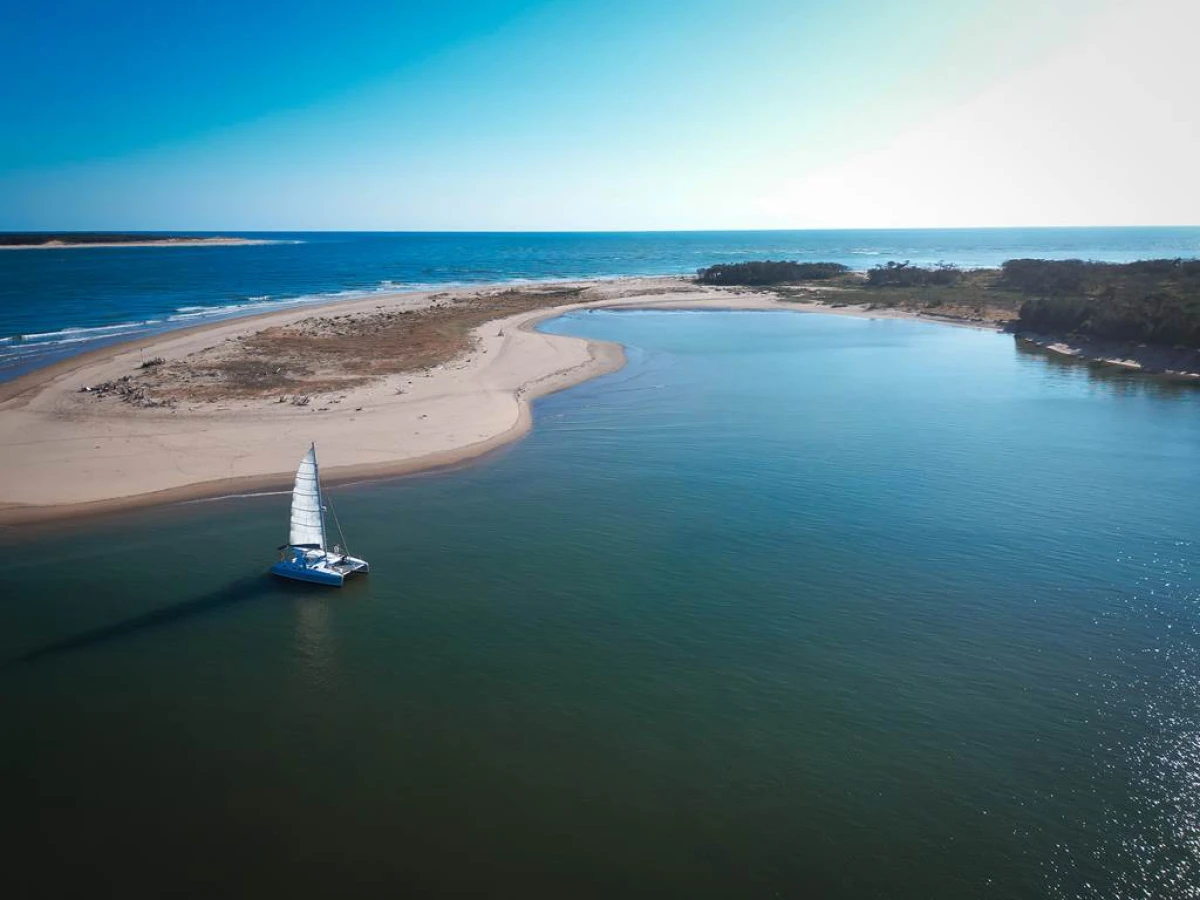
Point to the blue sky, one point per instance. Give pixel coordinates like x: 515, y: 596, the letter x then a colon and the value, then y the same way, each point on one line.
x: 582, y: 114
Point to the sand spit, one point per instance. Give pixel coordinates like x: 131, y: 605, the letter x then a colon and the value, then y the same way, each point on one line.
x: 118, y: 428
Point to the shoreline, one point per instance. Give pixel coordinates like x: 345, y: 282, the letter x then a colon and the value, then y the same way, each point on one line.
x: 67, y: 461
x: 71, y: 455
x: 1175, y: 364
x: 151, y: 242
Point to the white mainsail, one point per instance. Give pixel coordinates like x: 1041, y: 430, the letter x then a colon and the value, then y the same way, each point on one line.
x: 308, y: 521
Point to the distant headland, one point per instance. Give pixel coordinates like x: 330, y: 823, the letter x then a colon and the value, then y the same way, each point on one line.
x: 57, y: 240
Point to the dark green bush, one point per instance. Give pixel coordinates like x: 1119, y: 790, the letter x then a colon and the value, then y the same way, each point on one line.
x: 904, y: 274
x: 28, y: 238
x: 1150, y: 301
x: 769, y: 272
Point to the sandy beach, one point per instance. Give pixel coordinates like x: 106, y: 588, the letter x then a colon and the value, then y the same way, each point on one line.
x: 70, y: 451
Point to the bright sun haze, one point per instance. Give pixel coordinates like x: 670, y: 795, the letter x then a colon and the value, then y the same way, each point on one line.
x: 590, y: 115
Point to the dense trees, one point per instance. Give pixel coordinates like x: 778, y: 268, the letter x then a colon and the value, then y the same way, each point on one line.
x: 769, y: 272
x: 1151, y: 301
x: 32, y: 238
x: 1154, y: 301
x: 902, y: 274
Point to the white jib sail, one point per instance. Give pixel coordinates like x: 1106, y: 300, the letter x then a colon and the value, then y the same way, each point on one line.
x: 308, y: 524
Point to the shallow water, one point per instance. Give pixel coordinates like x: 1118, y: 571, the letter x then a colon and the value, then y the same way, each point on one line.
x: 792, y: 604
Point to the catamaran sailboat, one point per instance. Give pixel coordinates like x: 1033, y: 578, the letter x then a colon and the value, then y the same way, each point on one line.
x: 305, y: 557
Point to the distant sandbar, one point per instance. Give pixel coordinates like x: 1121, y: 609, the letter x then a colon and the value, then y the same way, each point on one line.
x: 61, y: 242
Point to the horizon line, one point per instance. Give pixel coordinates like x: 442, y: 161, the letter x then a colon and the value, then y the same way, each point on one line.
x: 210, y: 231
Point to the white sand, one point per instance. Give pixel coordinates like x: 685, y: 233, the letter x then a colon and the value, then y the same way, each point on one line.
x: 65, y: 453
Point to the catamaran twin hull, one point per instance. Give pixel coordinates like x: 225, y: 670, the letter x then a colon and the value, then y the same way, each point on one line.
x: 331, y: 570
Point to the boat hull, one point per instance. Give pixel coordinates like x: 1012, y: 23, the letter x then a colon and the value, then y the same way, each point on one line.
x: 327, y: 572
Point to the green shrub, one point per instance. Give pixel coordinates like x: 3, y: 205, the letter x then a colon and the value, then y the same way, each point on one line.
x: 1150, y: 301
x: 904, y: 274
x: 769, y: 272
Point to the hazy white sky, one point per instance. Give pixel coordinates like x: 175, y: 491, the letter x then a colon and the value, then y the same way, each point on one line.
x: 1105, y: 130
x: 604, y: 114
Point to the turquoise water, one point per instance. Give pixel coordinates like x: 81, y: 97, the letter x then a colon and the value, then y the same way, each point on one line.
x: 790, y: 606
x: 57, y: 302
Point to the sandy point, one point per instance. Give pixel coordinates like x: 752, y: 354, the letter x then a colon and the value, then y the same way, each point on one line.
x: 68, y: 453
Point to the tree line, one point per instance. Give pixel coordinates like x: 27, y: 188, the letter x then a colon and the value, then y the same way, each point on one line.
x: 1149, y: 301
x: 1154, y: 301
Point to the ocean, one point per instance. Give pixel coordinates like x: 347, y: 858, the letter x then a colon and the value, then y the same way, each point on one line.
x: 57, y: 302
x: 791, y: 605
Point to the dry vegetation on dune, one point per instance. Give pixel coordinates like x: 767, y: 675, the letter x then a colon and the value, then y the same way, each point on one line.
x: 943, y: 291
x: 972, y: 298
x: 326, y: 353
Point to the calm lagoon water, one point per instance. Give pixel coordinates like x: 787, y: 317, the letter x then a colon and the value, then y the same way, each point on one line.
x: 792, y: 605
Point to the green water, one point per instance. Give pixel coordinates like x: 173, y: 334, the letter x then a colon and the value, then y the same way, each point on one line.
x: 790, y: 606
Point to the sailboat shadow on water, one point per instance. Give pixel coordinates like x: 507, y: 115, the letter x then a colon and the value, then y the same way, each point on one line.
x: 306, y: 556
x: 239, y: 591
x: 251, y: 588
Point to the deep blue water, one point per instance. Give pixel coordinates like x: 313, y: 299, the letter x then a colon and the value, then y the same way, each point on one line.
x: 791, y: 606
x: 54, y: 302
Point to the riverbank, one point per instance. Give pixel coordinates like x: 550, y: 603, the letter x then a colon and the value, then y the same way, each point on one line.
x: 1171, y: 362
x: 999, y: 299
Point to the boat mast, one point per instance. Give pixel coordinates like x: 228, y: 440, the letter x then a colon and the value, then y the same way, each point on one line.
x: 320, y: 494
x: 321, y: 501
